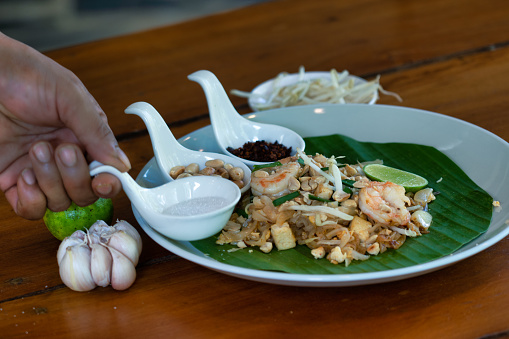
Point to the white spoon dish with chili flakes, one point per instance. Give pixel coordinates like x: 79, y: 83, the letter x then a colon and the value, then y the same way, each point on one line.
x: 332, y: 208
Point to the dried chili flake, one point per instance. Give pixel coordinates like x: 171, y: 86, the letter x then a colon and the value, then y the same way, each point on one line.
x: 261, y: 151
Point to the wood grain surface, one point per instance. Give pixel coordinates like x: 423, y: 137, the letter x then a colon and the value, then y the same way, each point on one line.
x: 446, y: 56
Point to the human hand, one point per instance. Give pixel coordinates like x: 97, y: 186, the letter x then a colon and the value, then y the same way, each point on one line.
x: 48, y: 122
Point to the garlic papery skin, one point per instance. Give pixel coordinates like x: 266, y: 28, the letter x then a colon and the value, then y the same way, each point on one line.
x: 123, y: 225
x: 125, y: 244
x: 123, y: 272
x: 77, y: 238
x: 75, y: 268
x: 100, y: 265
x: 102, y: 229
x: 94, y: 238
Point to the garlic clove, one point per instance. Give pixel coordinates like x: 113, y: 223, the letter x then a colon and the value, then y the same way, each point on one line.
x: 125, y: 244
x: 100, y: 266
x: 123, y: 225
x: 75, y: 268
x: 123, y: 272
x: 98, y: 226
x: 79, y: 234
x: 77, y: 238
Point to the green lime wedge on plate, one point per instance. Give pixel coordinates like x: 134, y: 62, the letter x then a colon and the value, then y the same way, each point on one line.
x: 410, y: 181
x: 63, y: 224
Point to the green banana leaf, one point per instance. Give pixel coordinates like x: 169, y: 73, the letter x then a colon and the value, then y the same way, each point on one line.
x: 461, y: 212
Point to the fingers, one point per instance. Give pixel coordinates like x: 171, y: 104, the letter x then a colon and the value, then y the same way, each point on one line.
x: 62, y: 176
x: 48, y: 176
x: 106, y: 185
x: 26, y: 197
x: 74, y: 173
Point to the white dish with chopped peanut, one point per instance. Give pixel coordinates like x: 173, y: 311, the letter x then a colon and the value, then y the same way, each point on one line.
x: 174, y: 159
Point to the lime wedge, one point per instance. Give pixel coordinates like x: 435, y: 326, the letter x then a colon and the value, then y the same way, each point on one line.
x: 410, y: 181
x: 63, y: 224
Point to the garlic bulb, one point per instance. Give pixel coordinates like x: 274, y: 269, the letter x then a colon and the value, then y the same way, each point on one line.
x: 104, y: 255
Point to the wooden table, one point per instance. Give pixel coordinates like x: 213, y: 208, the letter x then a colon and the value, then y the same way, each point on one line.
x: 447, y: 56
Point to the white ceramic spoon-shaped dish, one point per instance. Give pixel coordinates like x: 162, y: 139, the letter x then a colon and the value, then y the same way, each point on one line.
x: 233, y: 130
x: 186, y: 209
x: 170, y: 153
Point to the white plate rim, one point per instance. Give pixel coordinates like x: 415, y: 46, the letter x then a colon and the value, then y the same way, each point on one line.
x: 187, y: 251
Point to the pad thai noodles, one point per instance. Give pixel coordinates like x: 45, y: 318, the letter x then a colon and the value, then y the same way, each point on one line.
x: 330, y: 207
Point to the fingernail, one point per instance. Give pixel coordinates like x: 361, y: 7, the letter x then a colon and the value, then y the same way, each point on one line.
x: 104, y: 189
x: 42, y: 152
x: 123, y: 158
x: 67, y: 155
x: 28, y: 176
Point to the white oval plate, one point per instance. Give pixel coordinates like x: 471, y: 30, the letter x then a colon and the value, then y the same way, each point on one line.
x: 464, y: 143
x: 261, y: 92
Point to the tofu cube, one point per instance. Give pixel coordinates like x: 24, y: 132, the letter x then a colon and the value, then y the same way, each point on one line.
x: 283, y: 236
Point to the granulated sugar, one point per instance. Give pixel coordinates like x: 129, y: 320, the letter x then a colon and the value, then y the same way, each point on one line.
x: 196, y: 206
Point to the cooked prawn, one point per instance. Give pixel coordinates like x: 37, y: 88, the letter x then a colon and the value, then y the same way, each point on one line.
x: 385, y: 203
x: 277, y: 182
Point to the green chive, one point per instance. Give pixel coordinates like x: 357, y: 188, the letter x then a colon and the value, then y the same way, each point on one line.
x: 285, y: 198
x: 348, y: 182
x: 314, y: 197
x: 272, y: 164
x: 301, y: 162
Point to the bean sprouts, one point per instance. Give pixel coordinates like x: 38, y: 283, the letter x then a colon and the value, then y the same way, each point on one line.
x: 339, y: 88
